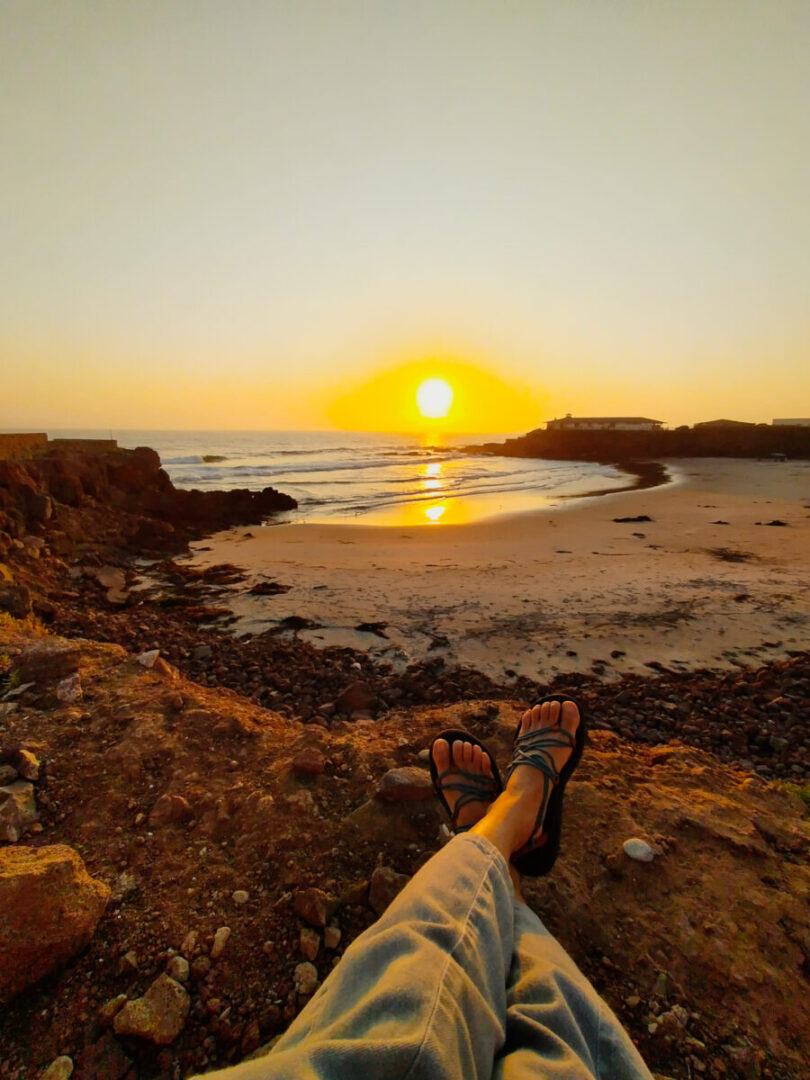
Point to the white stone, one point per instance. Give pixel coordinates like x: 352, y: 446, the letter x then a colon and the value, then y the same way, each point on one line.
x: 147, y: 659
x: 240, y: 897
x: 639, y: 850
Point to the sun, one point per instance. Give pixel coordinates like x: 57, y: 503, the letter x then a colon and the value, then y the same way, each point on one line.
x: 434, y: 398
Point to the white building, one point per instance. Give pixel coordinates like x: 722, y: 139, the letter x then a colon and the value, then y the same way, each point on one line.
x: 604, y: 423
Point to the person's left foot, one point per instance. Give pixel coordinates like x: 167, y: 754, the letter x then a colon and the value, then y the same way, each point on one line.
x: 472, y: 759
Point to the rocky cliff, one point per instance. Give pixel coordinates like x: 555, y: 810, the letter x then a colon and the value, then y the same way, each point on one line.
x: 117, y: 497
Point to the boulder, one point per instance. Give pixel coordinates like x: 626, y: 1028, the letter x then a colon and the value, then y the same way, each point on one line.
x: 159, y: 1015
x: 47, y: 662
x: 407, y: 784
x: 50, y: 906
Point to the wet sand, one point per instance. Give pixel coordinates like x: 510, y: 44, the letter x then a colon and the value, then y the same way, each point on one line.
x: 561, y: 589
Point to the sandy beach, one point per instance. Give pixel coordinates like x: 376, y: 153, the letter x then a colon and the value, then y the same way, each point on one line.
x: 707, y: 582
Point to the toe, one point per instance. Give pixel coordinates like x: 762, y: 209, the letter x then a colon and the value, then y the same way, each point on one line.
x: 569, y: 717
x: 441, y: 754
x: 486, y: 763
x: 458, y: 754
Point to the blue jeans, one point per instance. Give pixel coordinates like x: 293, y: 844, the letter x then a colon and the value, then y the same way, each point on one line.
x: 456, y: 980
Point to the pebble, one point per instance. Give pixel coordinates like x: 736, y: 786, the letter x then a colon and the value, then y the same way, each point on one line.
x: 220, y: 941
x: 240, y: 896
x: 69, y: 690
x: 110, y: 1009
x: 314, y: 906
x: 305, y: 977
x: 178, y: 968
x: 59, y: 1069
x: 309, y: 762
x: 27, y: 764
x: 309, y: 942
x: 639, y: 850
x: 200, y: 966
x: 147, y: 659
x: 331, y: 937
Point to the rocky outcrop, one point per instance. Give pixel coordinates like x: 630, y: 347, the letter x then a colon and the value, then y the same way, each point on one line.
x: 50, y: 907
x: 120, y: 497
x: 747, y: 440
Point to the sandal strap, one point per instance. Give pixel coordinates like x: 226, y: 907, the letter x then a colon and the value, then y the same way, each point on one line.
x: 473, y: 788
x: 534, y: 748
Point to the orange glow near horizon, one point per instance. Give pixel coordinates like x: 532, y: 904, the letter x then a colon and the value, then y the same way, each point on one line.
x: 438, y: 397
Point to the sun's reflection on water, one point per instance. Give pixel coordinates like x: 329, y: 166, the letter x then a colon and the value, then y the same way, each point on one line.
x: 434, y: 512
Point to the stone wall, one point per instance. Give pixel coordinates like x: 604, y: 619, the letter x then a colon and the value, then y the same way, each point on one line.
x: 100, y: 446
x: 17, y: 446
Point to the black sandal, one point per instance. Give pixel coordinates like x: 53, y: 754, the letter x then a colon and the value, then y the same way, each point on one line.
x: 475, y: 787
x: 533, y: 749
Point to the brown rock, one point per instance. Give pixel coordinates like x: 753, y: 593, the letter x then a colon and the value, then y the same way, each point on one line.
x: 18, y: 809
x: 200, y: 966
x: 314, y: 906
x: 110, y: 577
x: 158, y: 1016
x: 309, y: 942
x: 356, y: 696
x: 309, y: 761
x: 46, y: 662
x: 110, y: 1009
x: 170, y: 810
x: 165, y: 669
x: 15, y: 599
x: 406, y: 784
x: 102, y: 1060
x: 50, y: 908
x: 60, y: 1068
x: 385, y: 885
x: 26, y: 764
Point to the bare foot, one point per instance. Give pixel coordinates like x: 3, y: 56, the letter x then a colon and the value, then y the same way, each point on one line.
x: 512, y: 818
x: 472, y: 759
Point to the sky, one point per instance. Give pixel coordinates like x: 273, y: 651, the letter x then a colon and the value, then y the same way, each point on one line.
x: 263, y: 215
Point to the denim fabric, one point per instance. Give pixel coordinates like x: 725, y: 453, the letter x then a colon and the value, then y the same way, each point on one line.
x: 455, y: 980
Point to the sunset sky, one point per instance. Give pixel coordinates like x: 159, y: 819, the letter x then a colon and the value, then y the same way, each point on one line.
x: 280, y: 215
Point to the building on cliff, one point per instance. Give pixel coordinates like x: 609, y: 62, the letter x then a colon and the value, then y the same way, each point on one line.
x: 604, y: 423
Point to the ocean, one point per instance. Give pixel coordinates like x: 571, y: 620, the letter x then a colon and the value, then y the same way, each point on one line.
x: 368, y: 478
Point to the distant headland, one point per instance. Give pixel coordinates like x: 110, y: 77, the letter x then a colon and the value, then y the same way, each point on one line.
x: 623, y: 439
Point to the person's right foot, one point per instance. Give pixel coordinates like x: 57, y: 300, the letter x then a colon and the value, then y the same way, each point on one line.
x: 525, y: 779
x: 512, y: 818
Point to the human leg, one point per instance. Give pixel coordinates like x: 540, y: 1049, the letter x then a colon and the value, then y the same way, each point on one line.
x: 557, y: 1025
x: 422, y: 993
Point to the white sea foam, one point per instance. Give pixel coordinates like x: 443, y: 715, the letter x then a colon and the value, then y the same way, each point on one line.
x: 360, y: 476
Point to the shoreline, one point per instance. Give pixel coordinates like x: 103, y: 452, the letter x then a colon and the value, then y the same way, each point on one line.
x: 698, y: 582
